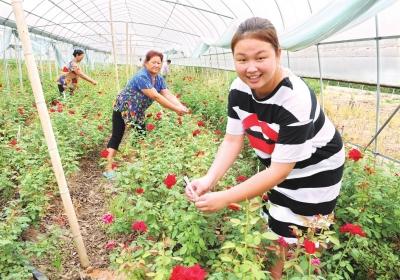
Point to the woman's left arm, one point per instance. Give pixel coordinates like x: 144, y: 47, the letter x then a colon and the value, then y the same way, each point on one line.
x: 172, y: 98
x: 254, y: 186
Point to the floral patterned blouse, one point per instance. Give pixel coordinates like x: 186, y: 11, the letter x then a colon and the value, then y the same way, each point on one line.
x: 132, y: 102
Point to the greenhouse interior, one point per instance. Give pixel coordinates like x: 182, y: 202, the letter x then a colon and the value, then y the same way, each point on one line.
x: 198, y: 139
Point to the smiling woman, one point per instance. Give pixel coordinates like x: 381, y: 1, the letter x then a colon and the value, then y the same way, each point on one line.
x: 132, y: 102
x: 300, y: 148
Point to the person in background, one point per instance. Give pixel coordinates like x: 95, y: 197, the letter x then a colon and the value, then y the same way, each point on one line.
x: 165, y: 69
x: 145, y: 87
x: 71, y: 74
x: 300, y: 147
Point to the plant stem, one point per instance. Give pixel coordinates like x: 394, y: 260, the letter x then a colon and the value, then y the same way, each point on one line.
x: 343, y: 253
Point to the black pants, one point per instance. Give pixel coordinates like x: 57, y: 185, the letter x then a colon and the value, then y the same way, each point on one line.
x: 60, y: 88
x: 118, y: 129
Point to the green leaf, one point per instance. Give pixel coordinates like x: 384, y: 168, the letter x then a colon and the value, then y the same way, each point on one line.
x: 228, y: 245
x: 270, y: 235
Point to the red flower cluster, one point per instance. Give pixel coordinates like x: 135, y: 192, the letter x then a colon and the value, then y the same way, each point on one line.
x: 104, y: 154
x: 196, y: 132
x: 139, y: 191
x: 108, y: 218
x: 309, y: 246
x: 100, y: 127
x: 82, y: 133
x: 114, y: 165
x: 355, y: 154
x: 59, y: 107
x: 170, y: 180
x: 241, y: 178
x: 217, y: 132
x: 139, y: 226
x: 194, y: 272
x: 150, y: 126
x: 352, y: 229
x: 201, y: 123
x: 180, y: 120
x: 71, y: 112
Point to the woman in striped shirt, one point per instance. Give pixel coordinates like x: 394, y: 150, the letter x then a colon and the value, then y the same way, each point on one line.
x: 278, y: 113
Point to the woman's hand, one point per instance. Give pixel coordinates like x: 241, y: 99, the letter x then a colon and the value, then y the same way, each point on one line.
x: 212, y: 201
x: 200, y: 186
x: 182, y: 110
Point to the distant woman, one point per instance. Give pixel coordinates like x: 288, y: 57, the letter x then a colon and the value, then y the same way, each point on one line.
x: 289, y: 132
x: 132, y: 102
x: 71, y: 74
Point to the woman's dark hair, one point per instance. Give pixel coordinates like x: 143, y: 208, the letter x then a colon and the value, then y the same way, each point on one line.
x: 256, y: 28
x: 151, y: 54
x: 77, y: 52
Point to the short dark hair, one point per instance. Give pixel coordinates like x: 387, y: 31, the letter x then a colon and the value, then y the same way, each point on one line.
x: 151, y: 54
x: 169, y: 60
x: 256, y: 28
x: 77, y: 52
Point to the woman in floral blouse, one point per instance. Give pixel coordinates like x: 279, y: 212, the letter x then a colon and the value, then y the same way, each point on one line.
x: 131, y: 103
x: 71, y: 74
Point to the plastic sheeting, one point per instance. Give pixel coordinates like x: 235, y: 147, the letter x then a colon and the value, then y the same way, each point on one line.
x: 329, y: 20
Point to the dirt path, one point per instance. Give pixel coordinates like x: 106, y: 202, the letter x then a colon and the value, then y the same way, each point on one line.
x: 89, y: 193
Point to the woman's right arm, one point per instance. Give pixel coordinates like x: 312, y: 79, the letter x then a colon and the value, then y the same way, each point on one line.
x: 227, y: 153
x: 153, y: 94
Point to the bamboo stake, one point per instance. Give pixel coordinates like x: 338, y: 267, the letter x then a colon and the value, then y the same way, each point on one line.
x: 113, y: 45
x: 127, y: 54
x: 48, y: 130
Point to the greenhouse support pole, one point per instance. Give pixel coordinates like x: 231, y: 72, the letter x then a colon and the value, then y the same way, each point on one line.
x: 288, y: 58
x: 48, y: 130
x: 113, y: 45
x: 321, y: 85
x: 130, y: 55
x: 127, y: 53
x: 378, y: 83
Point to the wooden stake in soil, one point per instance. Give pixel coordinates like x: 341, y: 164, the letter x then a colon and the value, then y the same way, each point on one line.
x: 48, y: 130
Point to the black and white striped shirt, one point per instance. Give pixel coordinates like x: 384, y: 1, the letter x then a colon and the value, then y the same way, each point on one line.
x: 289, y: 126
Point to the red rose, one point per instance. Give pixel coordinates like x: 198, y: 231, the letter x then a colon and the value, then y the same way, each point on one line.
x: 355, y: 154
x: 241, y: 178
x: 150, y: 126
x: 81, y: 133
x: 265, y: 197
x: 13, y: 142
x: 196, y: 132
x: 139, y: 226
x: 104, y: 154
x: 114, y: 165
x: 200, y: 123
x: 139, y: 191
x: 170, y: 180
x: 217, y: 132
x: 309, y: 246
